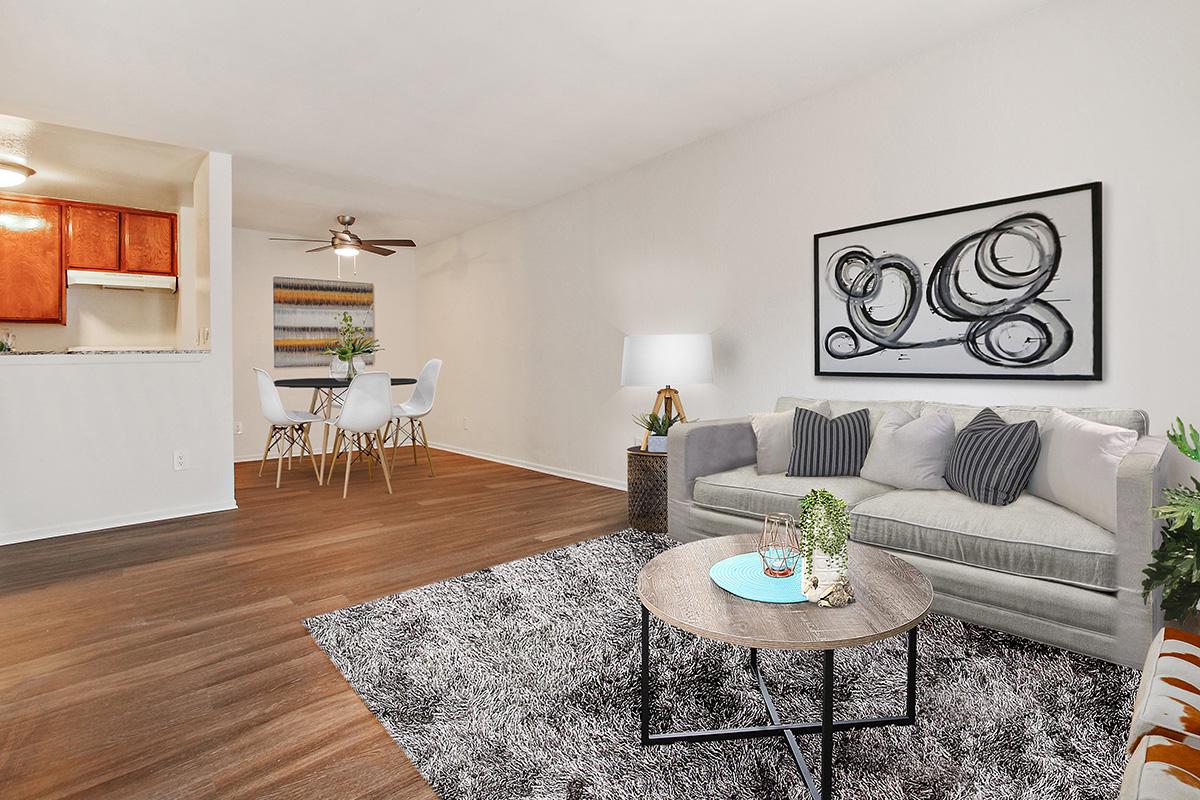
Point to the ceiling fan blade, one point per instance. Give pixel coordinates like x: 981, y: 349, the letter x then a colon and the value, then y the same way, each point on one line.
x: 379, y: 251
x: 278, y: 239
x: 391, y: 242
x: 319, y: 249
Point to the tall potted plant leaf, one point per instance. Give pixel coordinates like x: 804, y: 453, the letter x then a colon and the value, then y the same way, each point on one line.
x: 1175, y: 564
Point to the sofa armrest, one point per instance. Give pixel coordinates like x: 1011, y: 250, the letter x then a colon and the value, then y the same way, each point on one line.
x: 702, y: 448
x: 1140, y: 478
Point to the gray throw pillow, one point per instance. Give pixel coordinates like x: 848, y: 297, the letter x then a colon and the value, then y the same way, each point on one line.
x: 823, y: 447
x: 991, y: 461
x: 774, y: 434
x: 910, y: 452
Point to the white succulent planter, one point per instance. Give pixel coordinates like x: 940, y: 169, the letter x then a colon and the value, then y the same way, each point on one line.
x: 656, y: 444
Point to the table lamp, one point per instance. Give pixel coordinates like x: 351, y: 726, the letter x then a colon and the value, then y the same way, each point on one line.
x: 663, y: 360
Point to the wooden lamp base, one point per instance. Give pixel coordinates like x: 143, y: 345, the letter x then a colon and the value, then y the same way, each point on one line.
x: 669, y: 404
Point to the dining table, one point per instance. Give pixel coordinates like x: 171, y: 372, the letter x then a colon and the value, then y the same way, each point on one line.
x: 327, y: 393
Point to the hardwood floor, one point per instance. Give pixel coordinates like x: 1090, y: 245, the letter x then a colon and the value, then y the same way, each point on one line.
x: 168, y: 660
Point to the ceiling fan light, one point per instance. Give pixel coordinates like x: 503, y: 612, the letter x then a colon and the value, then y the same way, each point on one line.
x: 13, y: 174
x: 346, y: 250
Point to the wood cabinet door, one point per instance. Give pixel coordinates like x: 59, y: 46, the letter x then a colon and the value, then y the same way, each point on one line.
x: 147, y: 243
x: 93, y: 238
x: 32, y: 286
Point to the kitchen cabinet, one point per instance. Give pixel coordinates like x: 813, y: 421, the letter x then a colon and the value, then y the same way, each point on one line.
x: 92, y: 239
x: 148, y: 242
x: 32, y: 280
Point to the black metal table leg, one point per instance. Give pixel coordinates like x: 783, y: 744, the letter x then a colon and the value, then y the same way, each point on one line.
x: 788, y: 730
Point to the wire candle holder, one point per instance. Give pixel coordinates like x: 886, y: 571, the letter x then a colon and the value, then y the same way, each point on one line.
x: 779, y: 546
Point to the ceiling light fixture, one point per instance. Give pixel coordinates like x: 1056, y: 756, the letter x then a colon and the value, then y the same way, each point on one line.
x: 348, y: 250
x: 13, y: 174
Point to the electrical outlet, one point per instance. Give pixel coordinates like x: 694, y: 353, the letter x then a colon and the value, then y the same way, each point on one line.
x: 181, y: 460
x: 237, y: 428
x: 465, y: 425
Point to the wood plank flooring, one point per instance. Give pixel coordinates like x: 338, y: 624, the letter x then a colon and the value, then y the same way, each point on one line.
x: 168, y: 660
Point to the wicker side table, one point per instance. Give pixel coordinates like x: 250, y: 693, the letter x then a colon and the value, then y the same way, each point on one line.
x: 647, y: 474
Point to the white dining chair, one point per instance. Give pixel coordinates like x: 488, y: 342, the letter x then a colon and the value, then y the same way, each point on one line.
x: 289, y: 429
x: 365, y: 413
x: 407, y: 416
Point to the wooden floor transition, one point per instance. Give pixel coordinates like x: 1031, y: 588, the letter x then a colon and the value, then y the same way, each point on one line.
x: 168, y: 660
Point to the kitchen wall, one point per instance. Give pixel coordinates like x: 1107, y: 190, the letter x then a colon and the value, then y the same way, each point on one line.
x: 529, y: 312
x: 103, y: 318
x: 91, y: 439
x: 257, y: 262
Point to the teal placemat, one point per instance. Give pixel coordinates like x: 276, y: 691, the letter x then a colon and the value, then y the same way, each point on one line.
x: 743, y: 575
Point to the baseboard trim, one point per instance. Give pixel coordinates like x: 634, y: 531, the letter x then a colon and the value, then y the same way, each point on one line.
x: 115, y: 521
x: 582, y: 477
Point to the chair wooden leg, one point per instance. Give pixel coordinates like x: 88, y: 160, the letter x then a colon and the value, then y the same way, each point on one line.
x: 279, y: 467
x: 383, y: 466
x: 425, y: 444
x: 337, y: 442
x: 266, y: 450
x: 366, y: 439
x: 412, y: 434
x: 393, y: 428
x: 311, y: 456
x: 349, y: 459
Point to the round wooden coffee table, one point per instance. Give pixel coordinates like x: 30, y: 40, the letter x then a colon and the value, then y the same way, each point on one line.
x: 891, y: 598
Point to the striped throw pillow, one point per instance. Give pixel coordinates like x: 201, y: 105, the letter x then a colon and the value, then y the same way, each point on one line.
x: 991, y: 461
x: 822, y: 447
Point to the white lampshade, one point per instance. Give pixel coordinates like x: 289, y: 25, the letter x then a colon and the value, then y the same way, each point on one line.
x: 667, y: 360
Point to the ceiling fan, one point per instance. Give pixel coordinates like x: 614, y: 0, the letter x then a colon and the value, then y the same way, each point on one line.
x: 345, y: 243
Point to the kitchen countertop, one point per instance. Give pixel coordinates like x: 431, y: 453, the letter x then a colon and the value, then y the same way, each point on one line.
x: 95, y: 351
x: 98, y: 356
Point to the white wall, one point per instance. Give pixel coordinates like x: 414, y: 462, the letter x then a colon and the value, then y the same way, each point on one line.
x: 257, y: 262
x: 529, y: 311
x: 88, y: 441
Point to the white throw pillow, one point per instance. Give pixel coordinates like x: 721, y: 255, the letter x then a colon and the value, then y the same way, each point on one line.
x: 910, y: 452
x: 1077, y: 468
x: 774, y: 434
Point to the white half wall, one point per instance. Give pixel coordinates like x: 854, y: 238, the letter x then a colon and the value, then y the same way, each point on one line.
x: 529, y: 312
x: 257, y: 262
x: 89, y: 441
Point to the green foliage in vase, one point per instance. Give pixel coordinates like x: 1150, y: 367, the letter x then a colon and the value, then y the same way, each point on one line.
x: 658, y: 425
x: 352, y: 341
x: 824, y: 524
x: 1175, y: 564
x: 1186, y: 439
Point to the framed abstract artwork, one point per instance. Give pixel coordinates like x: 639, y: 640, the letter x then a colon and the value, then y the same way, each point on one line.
x: 1008, y: 289
x: 307, y: 313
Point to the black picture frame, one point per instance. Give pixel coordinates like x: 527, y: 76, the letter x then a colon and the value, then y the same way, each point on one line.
x: 1097, y: 372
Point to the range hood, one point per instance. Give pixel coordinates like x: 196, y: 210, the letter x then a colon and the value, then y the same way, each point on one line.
x: 120, y: 280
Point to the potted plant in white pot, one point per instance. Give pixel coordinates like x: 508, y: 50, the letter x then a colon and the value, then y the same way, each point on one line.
x: 657, y: 426
x: 347, y: 350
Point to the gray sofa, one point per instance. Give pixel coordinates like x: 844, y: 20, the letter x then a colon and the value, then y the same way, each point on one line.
x: 1031, y: 568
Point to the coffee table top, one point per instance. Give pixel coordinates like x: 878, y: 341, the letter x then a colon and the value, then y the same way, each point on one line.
x: 891, y: 596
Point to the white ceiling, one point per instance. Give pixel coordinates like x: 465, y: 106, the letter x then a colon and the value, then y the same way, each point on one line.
x: 425, y: 118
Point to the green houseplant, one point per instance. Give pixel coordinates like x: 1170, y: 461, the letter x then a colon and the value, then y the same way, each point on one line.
x: 824, y: 526
x: 1175, y: 564
x: 657, y: 425
x: 352, y: 342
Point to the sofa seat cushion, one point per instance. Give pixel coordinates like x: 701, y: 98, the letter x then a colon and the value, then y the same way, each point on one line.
x: 743, y: 491
x: 1168, y: 696
x: 1030, y: 537
x: 1161, y: 769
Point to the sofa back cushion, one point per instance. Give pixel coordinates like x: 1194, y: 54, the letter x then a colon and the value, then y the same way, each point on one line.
x: 910, y: 452
x: 1131, y: 418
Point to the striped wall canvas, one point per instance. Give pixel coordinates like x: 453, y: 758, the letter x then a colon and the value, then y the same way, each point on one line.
x: 308, y: 312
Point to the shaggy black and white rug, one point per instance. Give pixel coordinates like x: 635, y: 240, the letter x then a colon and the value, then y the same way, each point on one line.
x: 521, y: 681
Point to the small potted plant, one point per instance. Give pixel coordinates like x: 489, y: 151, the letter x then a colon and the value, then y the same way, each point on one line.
x: 1175, y: 564
x: 352, y: 343
x: 657, y: 426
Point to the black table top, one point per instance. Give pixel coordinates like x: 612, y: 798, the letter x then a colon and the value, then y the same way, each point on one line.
x: 329, y: 383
